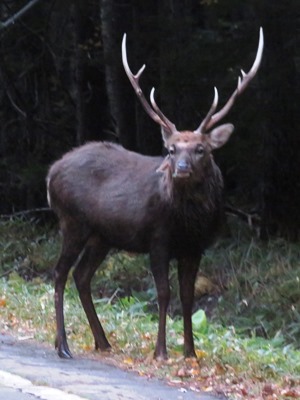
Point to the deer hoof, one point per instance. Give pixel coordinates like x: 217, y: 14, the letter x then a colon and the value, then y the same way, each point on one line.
x: 64, y: 352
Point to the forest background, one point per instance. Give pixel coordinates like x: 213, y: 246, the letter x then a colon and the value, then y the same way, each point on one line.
x: 63, y: 84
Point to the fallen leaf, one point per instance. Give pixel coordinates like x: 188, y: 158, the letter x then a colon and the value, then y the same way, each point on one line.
x: 219, y: 369
x: 128, y: 361
x: 182, y: 372
x: 295, y: 394
x: 201, y: 353
x: 3, y: 302
x: 268, y: 389
x: 86, y: 347
x: 147, y: 336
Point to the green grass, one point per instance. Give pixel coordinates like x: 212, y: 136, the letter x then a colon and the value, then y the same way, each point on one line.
x: 225, y: 358
x: 262, y: 286
x: 27, y: 248
x: 127, y: 321
x: 252, y: 337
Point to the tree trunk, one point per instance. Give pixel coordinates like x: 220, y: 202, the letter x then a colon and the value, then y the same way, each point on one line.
x: 79, y: 81
x: 116, y: 17
x: 281, y: 152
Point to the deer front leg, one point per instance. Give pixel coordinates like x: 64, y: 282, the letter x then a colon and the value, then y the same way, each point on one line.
x: 160, y: 271
x: 187, y: 271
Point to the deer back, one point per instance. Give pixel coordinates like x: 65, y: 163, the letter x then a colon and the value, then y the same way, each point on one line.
x: 130, y: 199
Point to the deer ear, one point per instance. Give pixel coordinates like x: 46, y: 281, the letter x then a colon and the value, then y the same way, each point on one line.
x: 166, y: 134
x: 219, y: 136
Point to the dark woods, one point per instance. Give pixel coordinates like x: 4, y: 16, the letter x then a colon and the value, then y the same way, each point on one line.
x: 63, y: 84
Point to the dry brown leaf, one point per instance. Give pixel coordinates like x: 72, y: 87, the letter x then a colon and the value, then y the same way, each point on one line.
x: 3, y: 302
x: 293, y: 393
x: 128, y: 361
x: 268, y: 389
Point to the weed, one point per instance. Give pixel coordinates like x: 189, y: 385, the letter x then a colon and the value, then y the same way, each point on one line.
x: 27, y: 248
x: 252, y: 335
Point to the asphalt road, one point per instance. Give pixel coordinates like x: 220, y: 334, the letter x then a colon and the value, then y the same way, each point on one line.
x: 29, y: 371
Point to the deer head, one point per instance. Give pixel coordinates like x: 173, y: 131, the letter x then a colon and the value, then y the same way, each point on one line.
x: 189, y: 151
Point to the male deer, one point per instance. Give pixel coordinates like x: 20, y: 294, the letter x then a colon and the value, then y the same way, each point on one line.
x: 107, y: 197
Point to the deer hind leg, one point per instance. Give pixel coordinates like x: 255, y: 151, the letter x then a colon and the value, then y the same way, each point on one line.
x: 71, y: 249
x: 160, y: 271
x: 187, y: 271
x: 94, y: 253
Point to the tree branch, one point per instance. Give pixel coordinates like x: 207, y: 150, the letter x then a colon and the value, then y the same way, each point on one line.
x: 11, y: 91
x: 252, y: 219
x: 25, y: 213
x: 10, y: 21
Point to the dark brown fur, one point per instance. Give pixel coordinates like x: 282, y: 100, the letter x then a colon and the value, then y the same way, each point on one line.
x: 107, y: 197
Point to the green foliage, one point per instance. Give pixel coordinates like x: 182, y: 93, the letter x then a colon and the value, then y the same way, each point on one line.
x: 123, y: 274
x: 27, y: 248
x: 132, y: 332
x: 261, y: 282
x: 253, y: 333
x: 20, y: 301
x: 199, y: 321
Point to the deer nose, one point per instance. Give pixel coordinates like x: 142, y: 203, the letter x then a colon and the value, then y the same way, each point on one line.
x: 183, y: 166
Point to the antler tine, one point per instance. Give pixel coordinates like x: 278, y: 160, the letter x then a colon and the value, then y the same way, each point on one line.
x: 213, y: 108
x: 243, y: 82
x: 157, y: 116
x: 160, y: 113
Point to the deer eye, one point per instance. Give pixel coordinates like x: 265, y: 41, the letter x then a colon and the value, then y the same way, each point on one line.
x: 199, y: 150
x: 172, y: 150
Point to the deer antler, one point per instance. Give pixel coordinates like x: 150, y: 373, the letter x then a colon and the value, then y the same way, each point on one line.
x: 211, y: 119
x: 155, y: 113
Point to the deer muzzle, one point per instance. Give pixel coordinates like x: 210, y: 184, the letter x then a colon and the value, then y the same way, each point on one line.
x: 183, y: 169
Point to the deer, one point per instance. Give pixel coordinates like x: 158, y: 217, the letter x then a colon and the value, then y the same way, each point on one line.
x: 171, y: 208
